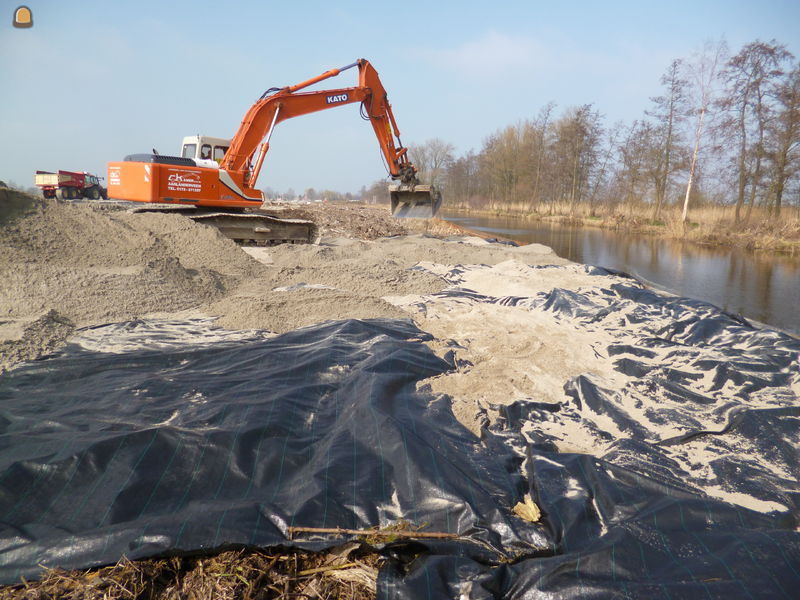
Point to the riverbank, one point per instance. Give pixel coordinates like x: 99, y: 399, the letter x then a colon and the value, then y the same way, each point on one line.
x: 710, y: 226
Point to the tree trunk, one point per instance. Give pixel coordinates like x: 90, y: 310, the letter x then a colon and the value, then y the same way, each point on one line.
x: 742, y: 165
x: 779, y: 182
x: 663, y: 178
x: 753, y: 188
x: 698, y: 133
x: 661, y: 185
x: 573, y: 187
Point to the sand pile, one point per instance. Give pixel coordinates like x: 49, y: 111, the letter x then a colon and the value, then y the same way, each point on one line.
x: 15, y: 204
x: 345, y: 278
x: 507, y: 352
x: 76, y: 265
x: 354, y: 221
x: 522, y: 324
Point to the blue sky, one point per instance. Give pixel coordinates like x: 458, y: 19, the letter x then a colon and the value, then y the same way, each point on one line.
x: 93, y: 81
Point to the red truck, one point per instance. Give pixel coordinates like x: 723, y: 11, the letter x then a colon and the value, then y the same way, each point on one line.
x: 68, y: 185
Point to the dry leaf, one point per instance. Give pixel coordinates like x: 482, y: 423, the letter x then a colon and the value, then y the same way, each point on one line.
x: 527, y: 510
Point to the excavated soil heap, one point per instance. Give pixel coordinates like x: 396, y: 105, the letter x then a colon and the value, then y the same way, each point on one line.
x: 68, y: 266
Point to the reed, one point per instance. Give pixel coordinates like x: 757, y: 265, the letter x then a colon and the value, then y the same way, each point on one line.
x: 709, y: 225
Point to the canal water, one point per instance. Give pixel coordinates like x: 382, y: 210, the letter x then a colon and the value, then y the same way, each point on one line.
x: 760, y: 286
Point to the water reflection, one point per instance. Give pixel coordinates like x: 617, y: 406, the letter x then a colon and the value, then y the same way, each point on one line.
x: 760, y: 286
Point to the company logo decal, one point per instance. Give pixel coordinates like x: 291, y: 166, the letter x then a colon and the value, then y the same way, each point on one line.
x: 184, y: 181
x: 336, y: 98
x: 185, y: 177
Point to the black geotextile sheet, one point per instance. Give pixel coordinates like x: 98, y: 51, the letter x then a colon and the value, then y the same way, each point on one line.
x: 184, y: 449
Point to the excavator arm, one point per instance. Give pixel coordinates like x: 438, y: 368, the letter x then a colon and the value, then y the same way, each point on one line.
x: 250, y: 144
x: 232, y: 184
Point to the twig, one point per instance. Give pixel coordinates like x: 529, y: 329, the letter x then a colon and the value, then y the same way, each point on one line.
x: 372, y: 532
x: 325, y: 569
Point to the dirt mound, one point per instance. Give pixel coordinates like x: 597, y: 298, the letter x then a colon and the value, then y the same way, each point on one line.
x: 97, y: 266
x: 15, y: 204
x: 94, y: 265
x: 361, y: 221
x: 281, y: 311
x: 86, y: 236
x: 21, y: 340
x: 346, y: 278
x: 351, y: 220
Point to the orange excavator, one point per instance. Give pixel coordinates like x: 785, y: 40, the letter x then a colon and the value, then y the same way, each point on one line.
x: 227, y: 181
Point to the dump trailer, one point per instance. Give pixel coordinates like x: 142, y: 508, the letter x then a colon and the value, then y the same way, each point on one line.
x: 69, y: 185
x: 218, y: 176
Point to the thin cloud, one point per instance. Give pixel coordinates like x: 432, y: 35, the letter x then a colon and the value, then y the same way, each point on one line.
x: 493, y: 52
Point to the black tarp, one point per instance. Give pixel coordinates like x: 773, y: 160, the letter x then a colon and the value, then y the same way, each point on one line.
x: 190, y: 449
x: 146, y: 452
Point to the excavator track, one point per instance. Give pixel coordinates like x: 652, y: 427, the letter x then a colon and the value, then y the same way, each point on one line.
x: 245, y: 228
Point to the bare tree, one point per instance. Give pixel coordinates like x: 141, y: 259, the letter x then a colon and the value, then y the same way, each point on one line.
x: 540, y: 127
x: 502, y: 162
x: 611, y: 149
x: 703, y: 70
x: 749, y: 77
x: 669, y: 112
x: 633, y: 162
x: 376, y: 193
x: 462, y: 182
x: 432, y: 158
x: 786, y: 135
x: 578, y: 135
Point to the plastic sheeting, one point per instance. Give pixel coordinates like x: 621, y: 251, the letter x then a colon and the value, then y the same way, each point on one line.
x: 145, y: 452
x: 186, y: 449
x: 699, y: 399
x: 642, y: 518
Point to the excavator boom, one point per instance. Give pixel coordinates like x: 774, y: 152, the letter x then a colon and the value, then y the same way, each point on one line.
x: 232, y: 184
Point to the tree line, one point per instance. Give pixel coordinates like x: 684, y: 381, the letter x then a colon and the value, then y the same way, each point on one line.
x: 725, y: 129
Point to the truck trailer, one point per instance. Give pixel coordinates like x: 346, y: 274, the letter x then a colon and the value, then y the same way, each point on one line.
x: 70, y: 185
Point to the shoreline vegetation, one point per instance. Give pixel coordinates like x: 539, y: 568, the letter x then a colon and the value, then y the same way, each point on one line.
x: 710, y: 226
x: 714, y: 158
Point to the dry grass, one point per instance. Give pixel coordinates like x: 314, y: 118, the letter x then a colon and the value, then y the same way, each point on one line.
x: 349, y: 571
x: 712, y: 225
x: 436, y: 227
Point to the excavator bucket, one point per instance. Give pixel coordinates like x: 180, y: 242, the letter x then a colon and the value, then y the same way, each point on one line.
x: 417, y: 202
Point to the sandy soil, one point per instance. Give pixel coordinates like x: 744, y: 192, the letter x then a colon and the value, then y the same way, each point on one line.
x: 65, y: 267
x: 68, y: 266
x: 509, y: 352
